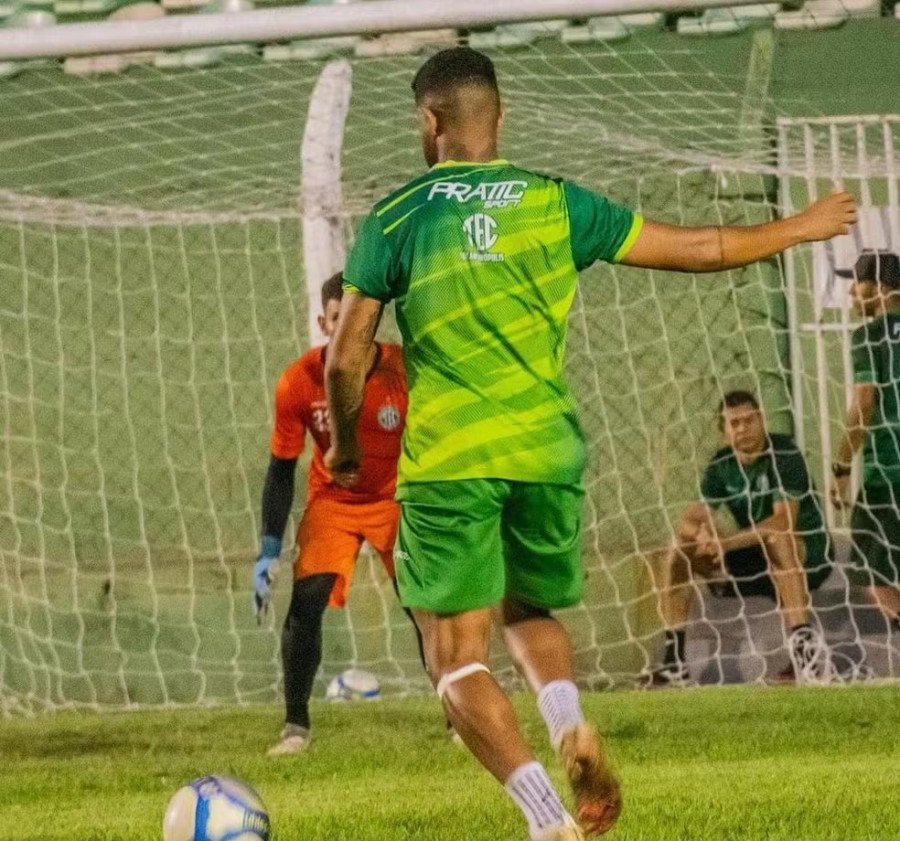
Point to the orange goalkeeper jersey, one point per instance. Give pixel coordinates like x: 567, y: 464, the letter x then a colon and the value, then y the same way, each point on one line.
x: 300, y: 405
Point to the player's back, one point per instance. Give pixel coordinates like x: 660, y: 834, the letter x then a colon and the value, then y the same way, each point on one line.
x: 483, y: 262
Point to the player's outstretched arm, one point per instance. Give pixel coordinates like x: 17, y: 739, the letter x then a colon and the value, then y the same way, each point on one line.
x: 712, y: 249
x: 345, y: 378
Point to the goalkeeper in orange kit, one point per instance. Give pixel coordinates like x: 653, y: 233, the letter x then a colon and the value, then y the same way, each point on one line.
x: 336, y: 520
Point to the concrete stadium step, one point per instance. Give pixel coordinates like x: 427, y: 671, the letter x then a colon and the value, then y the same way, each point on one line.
x: 312, y: 49
x: 404, y: 43
x: 826, y: 14
x: 513, y: 35
x: 726, y: 21
x: 183, y: 4
x: 610, y: 28
x: 738, y: 640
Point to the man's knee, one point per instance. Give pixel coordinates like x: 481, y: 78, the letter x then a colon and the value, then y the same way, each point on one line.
x: 686, y: 531
x: 309, y: 596
x: 449, y: 678
x: 452, y: 642
x: 515, y: 611
x: 683, y: 559
x: 782, y: 550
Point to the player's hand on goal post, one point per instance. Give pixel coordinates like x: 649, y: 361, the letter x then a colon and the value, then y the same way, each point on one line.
x: 829, y: 217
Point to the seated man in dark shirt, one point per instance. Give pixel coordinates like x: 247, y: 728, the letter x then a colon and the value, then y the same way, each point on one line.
x: 781, y: 549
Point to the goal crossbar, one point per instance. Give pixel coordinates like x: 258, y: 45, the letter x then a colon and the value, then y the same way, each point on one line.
x: 380, y: 16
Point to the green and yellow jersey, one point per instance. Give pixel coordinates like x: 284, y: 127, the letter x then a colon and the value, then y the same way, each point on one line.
x: 483, y: 260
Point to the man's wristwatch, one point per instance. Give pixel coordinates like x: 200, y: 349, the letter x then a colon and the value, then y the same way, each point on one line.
x: 839, y: 471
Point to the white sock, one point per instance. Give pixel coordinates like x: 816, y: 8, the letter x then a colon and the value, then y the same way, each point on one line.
x: 558, y: 703
x: 531, y: 789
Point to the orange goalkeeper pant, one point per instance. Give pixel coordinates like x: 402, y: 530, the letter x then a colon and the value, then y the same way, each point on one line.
x: 331, y: 534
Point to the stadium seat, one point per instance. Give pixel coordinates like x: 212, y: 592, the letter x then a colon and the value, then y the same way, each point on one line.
x: 96, y: 64
x: 311, y: 50
x: 404, y: 43
x: 610, y: 28
x: 725, y: 21
x: 516, y: 34
x: 207, y: 56
x: 825, y: 14
x: 184, y: 4
x: 81, y: 8
x: 30, y: 14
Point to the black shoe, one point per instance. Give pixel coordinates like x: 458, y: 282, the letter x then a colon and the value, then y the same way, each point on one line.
x: 668, y: 675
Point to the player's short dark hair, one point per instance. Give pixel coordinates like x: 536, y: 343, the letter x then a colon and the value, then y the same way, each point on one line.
x: 738, y: 397
x: 875, y: 265
x: 332, y: 289
x: 453, y: 68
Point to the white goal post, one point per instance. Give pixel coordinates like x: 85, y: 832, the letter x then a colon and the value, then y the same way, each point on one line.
x: 320, y: 185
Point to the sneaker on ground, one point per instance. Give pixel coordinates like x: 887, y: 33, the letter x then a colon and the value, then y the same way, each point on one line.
x: 294, y: 739
x: 810, y: 658
x: 668, y: 675
x: 569, y: 831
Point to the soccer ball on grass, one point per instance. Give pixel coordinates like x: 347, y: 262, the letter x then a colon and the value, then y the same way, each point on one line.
x: 353, y: 685
x: 216, y: 809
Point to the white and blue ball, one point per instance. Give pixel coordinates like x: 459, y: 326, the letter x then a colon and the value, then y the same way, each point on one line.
x: 216, y: 809
x: 354, y: 685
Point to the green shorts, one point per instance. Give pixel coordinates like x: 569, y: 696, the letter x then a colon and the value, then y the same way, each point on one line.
x: 464, y: 545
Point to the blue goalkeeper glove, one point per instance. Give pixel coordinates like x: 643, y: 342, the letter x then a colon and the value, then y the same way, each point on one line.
x: 270, y: 550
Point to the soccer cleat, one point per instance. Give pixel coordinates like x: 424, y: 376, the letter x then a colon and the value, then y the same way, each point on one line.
x: 569, y: 831
x: 598, y: 798
x: 666, y: 676
x: 810, y: 658
x: 294, y: 740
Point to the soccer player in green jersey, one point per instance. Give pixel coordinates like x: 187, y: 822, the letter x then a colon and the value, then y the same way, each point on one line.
x: 873, y: 419
x: 780, y: 550
x: 482, y: 258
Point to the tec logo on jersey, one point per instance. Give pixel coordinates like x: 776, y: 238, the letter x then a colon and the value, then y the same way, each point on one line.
x: 481, y: 231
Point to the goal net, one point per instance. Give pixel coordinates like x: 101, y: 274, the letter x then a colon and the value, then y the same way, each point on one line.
x: 153, y: 287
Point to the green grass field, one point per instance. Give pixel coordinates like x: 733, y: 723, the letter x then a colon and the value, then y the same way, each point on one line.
x: 720, y: 764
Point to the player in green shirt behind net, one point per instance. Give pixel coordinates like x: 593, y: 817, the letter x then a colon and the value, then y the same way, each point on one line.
x: 779, y: 548
x: 873, y: 422
x: 482, y: 258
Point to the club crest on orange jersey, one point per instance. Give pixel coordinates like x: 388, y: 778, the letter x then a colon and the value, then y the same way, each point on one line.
x: 388, y: 417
